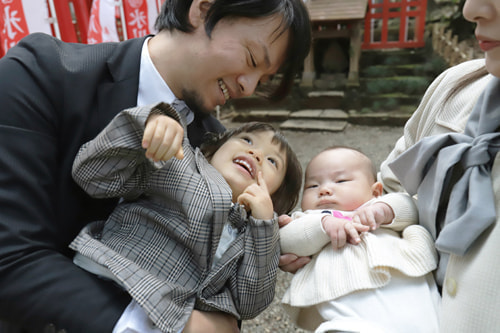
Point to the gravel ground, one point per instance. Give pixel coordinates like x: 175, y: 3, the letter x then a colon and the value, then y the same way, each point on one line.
x: 376, y: 142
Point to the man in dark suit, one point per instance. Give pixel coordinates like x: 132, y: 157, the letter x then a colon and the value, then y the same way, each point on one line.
x: 55, y: 96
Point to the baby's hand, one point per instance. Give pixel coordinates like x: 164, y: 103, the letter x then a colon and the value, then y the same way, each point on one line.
x: 256, y: 199
x: 374, y: 215
x: 342, y: 230
x: 162, y: 138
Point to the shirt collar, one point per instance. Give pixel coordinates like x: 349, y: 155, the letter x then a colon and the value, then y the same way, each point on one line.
x: 152, y: 87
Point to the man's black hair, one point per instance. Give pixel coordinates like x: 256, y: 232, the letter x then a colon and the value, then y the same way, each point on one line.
x: 174, y: 16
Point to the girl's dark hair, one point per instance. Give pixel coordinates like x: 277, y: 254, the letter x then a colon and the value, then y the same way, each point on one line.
x: 174, y: 15
x: 287, y: 195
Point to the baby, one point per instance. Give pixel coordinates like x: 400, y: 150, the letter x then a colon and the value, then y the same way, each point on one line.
x: 358, y: 281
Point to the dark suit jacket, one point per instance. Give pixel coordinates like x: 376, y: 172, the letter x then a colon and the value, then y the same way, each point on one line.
x: 55, y: 96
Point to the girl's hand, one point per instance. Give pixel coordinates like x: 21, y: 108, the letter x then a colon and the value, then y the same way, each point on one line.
x: 257, y: 200
x: 291, y: 263
x: 283, y: 220
x: 374, y: 215
x: 162, y: 138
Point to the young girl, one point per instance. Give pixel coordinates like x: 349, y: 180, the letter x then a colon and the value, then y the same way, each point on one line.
x: 198, y: 231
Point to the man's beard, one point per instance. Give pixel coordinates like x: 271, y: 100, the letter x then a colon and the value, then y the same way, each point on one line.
x: 195, y: 103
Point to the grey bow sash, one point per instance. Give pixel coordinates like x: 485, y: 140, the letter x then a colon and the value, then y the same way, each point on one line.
x: 426, y: 169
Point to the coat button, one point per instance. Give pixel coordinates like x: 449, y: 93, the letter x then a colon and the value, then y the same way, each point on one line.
x: 451, y: 286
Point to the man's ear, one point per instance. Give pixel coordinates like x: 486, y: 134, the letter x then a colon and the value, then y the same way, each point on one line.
x: 198, y: 12
x: 377, y: 189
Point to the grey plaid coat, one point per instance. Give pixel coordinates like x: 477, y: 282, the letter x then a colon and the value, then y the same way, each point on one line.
x: 161, y: 240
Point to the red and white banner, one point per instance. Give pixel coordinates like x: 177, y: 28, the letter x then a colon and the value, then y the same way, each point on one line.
x: 19, y: 18
x: 139, y: 17
x: 102, y: 25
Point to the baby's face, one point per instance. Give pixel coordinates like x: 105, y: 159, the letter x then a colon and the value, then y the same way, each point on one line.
x: 337, y: 179
x: 244, y: 155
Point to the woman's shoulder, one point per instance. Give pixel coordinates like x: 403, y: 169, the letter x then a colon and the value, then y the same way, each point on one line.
x: 460, y: 105
x: 464, y: 68
x: 440, y: 87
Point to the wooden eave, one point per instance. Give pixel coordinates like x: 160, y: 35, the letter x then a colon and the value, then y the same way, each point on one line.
x: 336, y: 10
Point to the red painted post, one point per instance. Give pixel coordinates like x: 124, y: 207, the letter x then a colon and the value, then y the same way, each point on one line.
x: 82, y: 15
x: 65, y: 20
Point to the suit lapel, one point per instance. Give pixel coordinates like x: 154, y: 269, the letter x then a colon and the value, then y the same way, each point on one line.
x: 120, y: 92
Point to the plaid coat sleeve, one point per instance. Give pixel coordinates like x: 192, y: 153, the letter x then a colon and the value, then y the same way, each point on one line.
x: 114, y: 163
x: 260, y: 262
x: 245, y: 277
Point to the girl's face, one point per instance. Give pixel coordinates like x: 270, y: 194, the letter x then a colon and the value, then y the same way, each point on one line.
x: 486, y: 15
x: 244, y: 155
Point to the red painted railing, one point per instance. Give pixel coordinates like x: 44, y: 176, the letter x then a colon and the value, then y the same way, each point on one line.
x: 394, y: 24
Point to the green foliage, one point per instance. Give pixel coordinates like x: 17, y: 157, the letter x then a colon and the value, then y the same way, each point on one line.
x: 435, y: 66
x: 408, y: 85
x: 393, y: 60
x: 378, y: 71
x: 388, y: 104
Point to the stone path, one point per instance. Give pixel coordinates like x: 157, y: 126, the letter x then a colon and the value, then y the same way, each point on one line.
x: 330, y: 120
